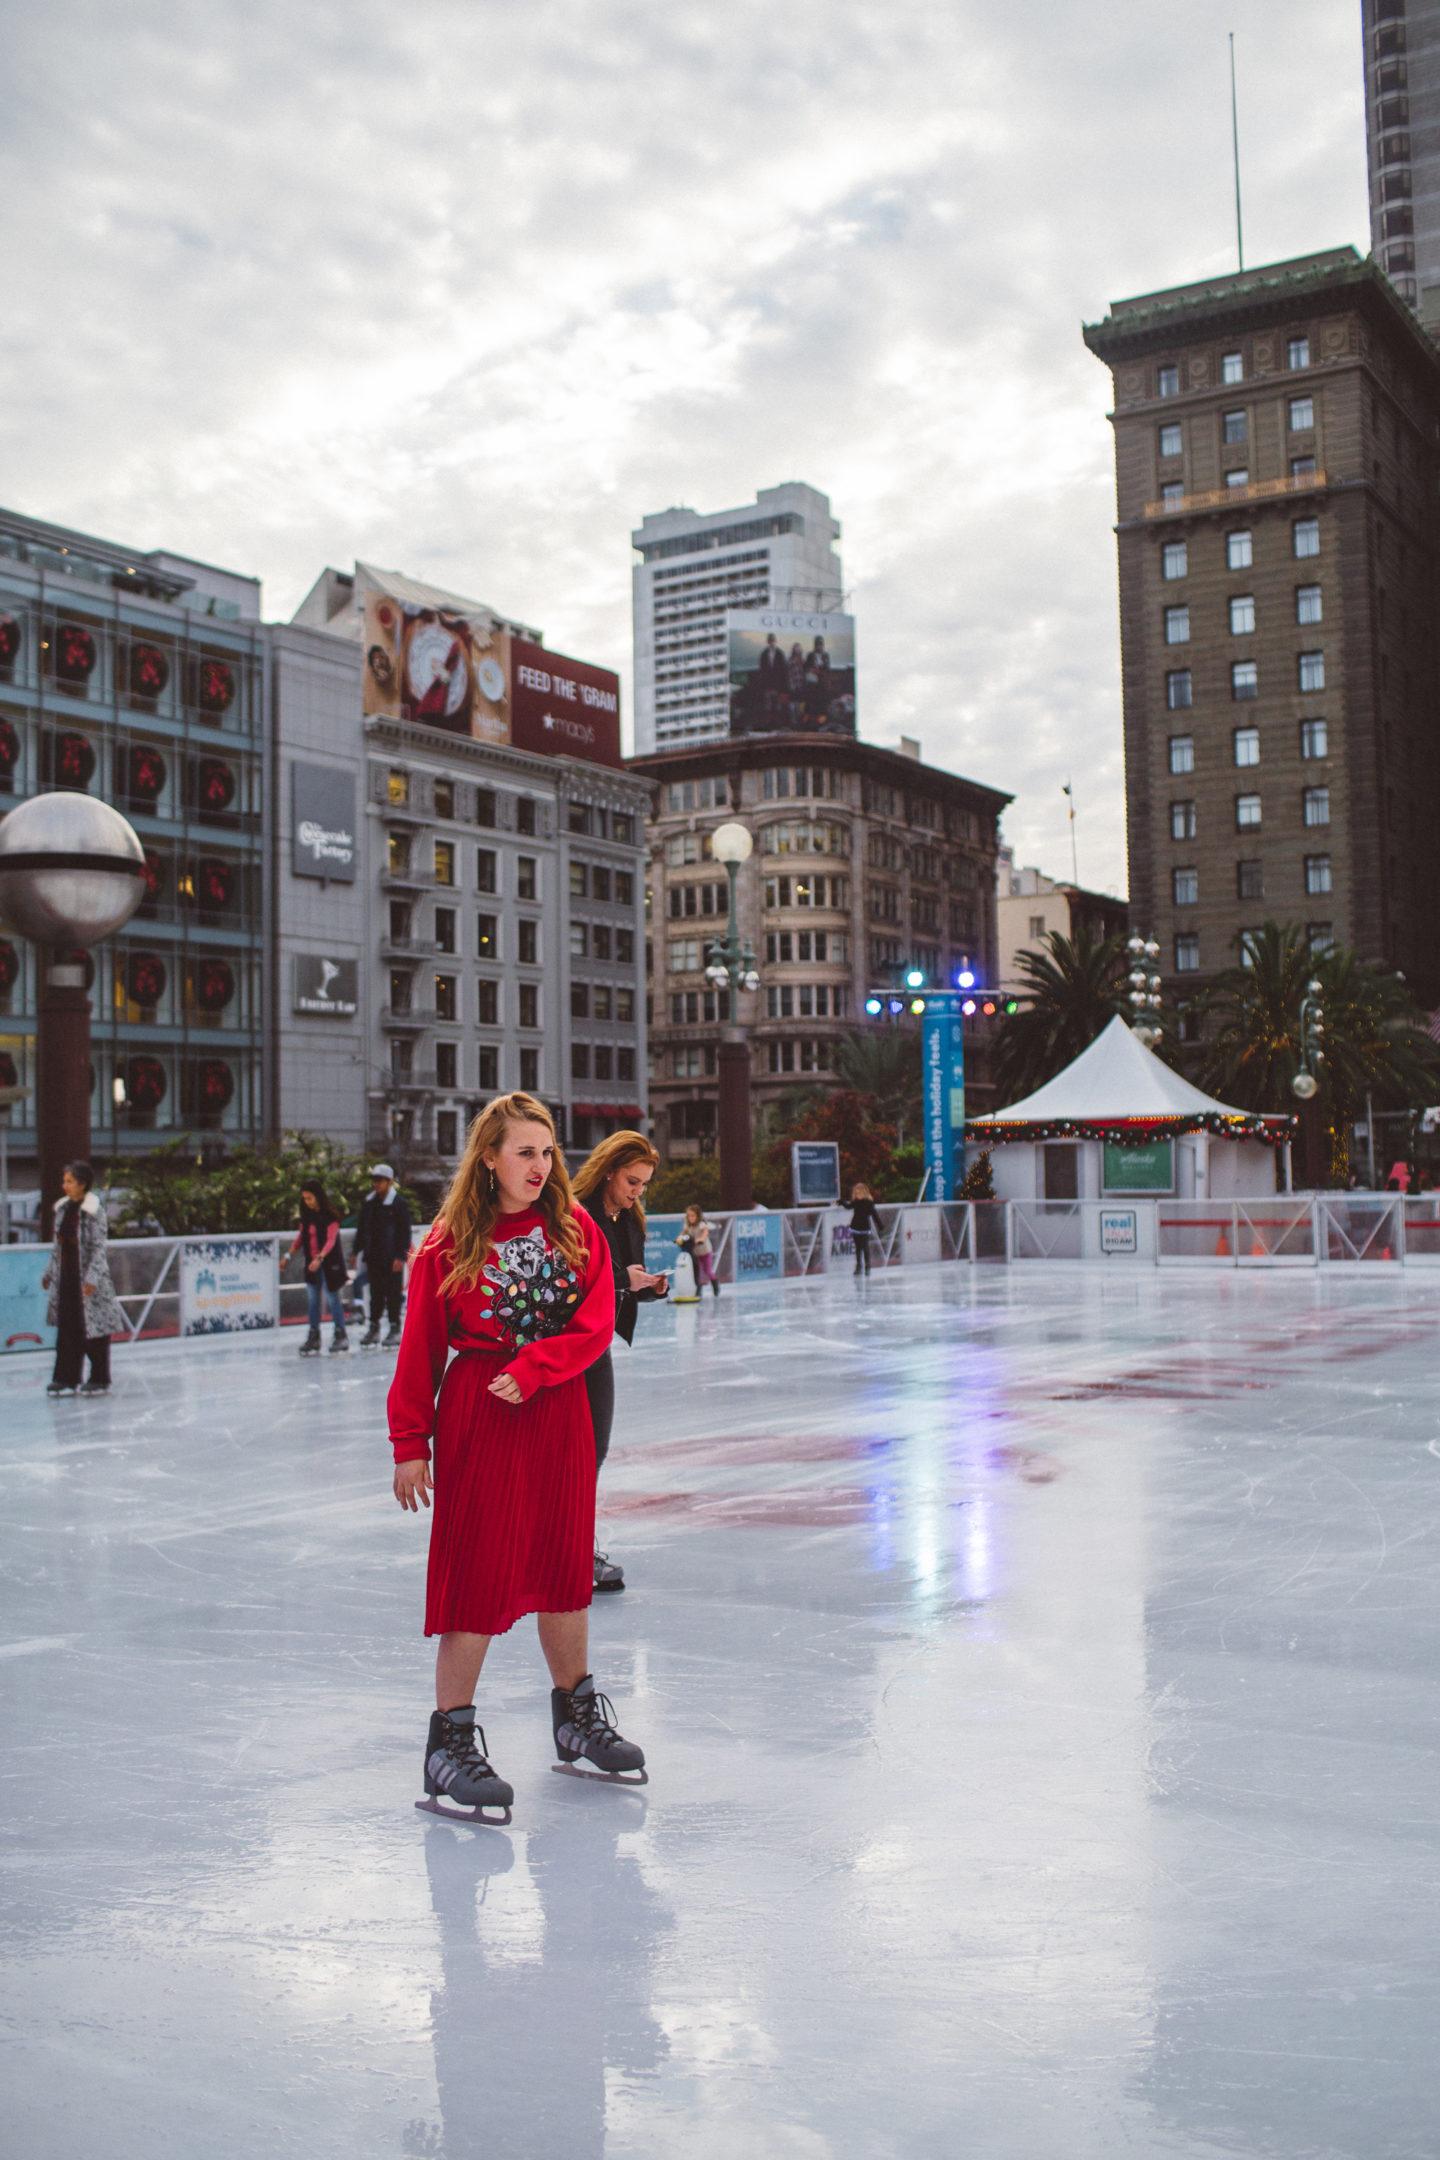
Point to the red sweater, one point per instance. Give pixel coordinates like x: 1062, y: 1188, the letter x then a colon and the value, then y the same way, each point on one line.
x: 526, y: 1302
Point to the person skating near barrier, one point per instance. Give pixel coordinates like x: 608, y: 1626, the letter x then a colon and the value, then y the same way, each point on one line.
x: 864, y: 1221
x: 83, y: 1308
x: 612, y: 1183
x: 697, y: 1237
x: 382, y: 1237
x: 317, y: 1236
x: 517, y: 1280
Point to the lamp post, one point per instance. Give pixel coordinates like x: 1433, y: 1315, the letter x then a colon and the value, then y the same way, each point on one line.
x: 1144, y: 998
x: 1305, y: 1085
x: 72, y: 871
x: 731, y: 967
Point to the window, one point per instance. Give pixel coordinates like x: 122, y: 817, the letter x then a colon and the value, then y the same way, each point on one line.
x: 485, y: 870
x: 525, y: 883
x: 1177, y: 625
x: 1245, y: 945
x: 1320, y: 936
x: 622, y: 824
x: 1235, y: 427
x: 527, y: 932
x: 579, y: 941
x: 399, y: 990
x: 487, y: 1069
x: 579, y: 881
x: 525, y: 814
x: 1171, y: 439
x: 1172, y: 493
x: 1187, y: 954
x: 447, y: 1132
x: 686, y: 956
x: 1182, y: 821
x: 1182, y: 758
x: 397, y: 789
x: 1297, y: 352
x: 445, y: 997
x: 530, y: 1071
x: 1174, y: 559
x: 1246, y: 741
x: 1185, y: 886
x: 1037, y: 926
x: 1247, y: 811
x: 1317, y: 873
x: 1305, y: 537
x: 1238, y: 476
x: 447, y: 1065
x: 625, y: 1064
x: 1167, y: 381
x: 684, y: 849
x: 1232, y: 367
x: 1314, y: 739
x: 1239, y: 550
x: 529, y: 1005
x: 625, y: 1006
x: 1242, y: 614
x: 579, y: 1001
x: 1316, y: 804
x: 1179, y: 690
x: 625, y: 888
x: 604, y: 1062
x: 599, y: 882
x: 487, y: 936
x: 600, y: 940
x: 485, y: 806
x: 602, y: 1001
x: 444, y: 862
x: 1244, y: 679
x: 445, y: 798
x: 1250, y: 880
x: 1312, y: 671
x: 445, y: 929
x: 1302, y: 414
x: 487, y: 1003
x: 1309, y: 605
x: 625, y: 947
x: 1302, y: 468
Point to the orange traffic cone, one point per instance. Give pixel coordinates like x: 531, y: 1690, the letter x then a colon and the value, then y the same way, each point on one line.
x: 1257, y: 1248
x: 1222, y: 1246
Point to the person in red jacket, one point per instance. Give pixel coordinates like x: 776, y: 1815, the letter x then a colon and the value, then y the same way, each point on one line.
x: 516, y: 1280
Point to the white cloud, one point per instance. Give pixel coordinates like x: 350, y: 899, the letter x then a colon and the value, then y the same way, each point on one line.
x: 469, y: 287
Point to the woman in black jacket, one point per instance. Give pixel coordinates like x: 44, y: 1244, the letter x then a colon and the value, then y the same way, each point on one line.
x: 611, y: 1184
x: 863, y: 1222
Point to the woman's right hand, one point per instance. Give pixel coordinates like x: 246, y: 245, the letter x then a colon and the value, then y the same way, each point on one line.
x: 413, y: 1484
x: 639, y: 1280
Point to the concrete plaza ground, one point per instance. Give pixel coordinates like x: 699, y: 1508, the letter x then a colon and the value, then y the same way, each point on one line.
x: 1037, y: 1669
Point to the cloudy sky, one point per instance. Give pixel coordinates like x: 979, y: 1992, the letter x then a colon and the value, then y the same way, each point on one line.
x: 465, y: 287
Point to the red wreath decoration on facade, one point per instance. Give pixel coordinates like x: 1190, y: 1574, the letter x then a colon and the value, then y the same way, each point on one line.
x: 215, y: 1083
x: 12, y: 637
x: 149, y: 671
x: 217, y: 686
x: 215, y: 882
x: 74, y: 760
x: 145, y: 775
x: 9, y: 972
x: 154, y: 876
x: 145, y: 1083
x: 214, y: 985
x: 217, y: 786
x: 75, y: 653
x: 9, y: 746
x: 145, y: 978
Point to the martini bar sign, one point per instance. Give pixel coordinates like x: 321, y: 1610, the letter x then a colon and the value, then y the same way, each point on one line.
x: 563, y: 707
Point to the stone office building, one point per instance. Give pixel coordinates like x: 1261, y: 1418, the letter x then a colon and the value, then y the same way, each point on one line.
x: 866, y: 863
x: 1279, y: 557
x: 456, y: 916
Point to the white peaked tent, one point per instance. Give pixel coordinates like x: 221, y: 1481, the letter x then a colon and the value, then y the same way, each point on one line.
x: 1117, y: 1096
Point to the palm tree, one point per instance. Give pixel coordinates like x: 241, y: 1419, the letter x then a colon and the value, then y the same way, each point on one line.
x: 1375, y: 1038
x: 883, y: 1064
x: 1069, y: 989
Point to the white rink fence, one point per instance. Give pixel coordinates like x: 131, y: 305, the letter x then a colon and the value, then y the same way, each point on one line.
x: 176, y: 1287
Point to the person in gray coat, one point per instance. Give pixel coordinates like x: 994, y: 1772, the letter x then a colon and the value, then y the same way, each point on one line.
x: 83, y: 1308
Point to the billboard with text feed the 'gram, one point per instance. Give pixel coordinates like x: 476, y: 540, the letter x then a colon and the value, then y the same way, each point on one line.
x: 792, y: 672
x: 438, y: 669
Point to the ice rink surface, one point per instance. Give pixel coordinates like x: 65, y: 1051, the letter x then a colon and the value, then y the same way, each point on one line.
x: 1038, y: 1674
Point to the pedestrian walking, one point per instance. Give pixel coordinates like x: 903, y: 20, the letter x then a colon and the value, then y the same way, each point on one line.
x: 516, y: 1279
x: 864, y: 1220
x: 612, y: 1183
x: 382, y: 1240
x: 698, y: 1239
x: 83, y: 1307
x: 317, y: 1235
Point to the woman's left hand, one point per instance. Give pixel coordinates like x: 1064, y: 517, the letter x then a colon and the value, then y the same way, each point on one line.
x: 507, y: 1387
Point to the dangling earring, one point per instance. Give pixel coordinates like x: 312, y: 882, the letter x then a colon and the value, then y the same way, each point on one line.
x: 494, y: 1185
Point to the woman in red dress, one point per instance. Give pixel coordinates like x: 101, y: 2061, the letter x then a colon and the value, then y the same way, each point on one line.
x: 517, y: 1280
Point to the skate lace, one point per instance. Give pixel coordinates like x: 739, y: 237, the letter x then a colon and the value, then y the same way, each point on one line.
x: 460, y: 1747
x: 593, y: 1713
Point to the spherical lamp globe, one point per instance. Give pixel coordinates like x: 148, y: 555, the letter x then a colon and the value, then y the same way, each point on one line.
x: 1305, y: 1085
x: 72, y: 870
x: 731, y: 843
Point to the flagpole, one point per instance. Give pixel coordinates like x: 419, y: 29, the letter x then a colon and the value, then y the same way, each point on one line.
x: 1068, y: 791
x: 1235, y: 144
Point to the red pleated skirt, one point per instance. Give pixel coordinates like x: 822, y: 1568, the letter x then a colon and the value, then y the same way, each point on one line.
x: 514, y: 1507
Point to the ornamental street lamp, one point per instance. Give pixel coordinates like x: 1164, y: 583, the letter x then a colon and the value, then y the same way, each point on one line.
x: 72, y: 872
x: 731, y: 968
x: 1144, y: 995
x: 1306, y: 1084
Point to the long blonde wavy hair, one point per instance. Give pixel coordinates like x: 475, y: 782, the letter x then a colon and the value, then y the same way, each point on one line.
x: 617, y: 1153
x: 471, y: 1208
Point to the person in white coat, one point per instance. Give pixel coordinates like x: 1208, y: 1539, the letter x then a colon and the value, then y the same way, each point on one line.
x: 83, y: 1307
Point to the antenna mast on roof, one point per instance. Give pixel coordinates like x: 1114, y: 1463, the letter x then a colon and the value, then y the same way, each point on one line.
x: 1235, y: 145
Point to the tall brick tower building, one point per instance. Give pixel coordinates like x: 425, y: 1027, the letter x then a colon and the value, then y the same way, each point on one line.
x: 1277, y: 456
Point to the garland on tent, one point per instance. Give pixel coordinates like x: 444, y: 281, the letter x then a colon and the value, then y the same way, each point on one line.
x: 1138, y: 1132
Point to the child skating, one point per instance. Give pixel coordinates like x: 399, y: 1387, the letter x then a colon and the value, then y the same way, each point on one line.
x: 697, y: 1238
x: 517, y: 1280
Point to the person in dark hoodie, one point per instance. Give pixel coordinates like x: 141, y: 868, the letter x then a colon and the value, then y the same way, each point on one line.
x: 382, y: 1236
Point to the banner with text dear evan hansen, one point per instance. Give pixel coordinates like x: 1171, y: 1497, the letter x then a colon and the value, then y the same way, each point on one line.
x: 228, y: 1286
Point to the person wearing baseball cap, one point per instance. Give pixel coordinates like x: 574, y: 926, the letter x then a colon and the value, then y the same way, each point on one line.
x: 382, y: 1235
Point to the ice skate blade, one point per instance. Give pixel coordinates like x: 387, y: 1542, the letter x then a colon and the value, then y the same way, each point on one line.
x: 470, y: 1815
x: 608, y: 1589
x: 591, y: 1774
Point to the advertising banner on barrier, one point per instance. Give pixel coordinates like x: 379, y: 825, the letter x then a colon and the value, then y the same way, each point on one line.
x: 661, y: 1251
x: 759, y: 1248
x: 920, y: 1234
x: 228, y: 1285
x: 839, y: 1245
x: 23, y: 1325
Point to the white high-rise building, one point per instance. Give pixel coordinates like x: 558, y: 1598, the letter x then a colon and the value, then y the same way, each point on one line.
x: 778, y: 551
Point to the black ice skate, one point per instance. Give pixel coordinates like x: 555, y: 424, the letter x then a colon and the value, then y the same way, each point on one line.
x: 609, y: 1575
x: 456, y: 1767
x: 311, y: 1345
x: 585, y: 1732
x: 371, y: 1336
x: 392, y: 1335
x: 339, y: 1341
